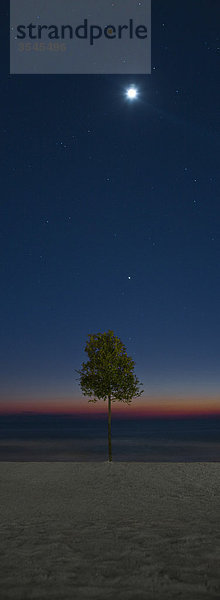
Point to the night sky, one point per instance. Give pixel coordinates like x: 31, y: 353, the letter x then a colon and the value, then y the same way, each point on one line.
x: 110, y: 219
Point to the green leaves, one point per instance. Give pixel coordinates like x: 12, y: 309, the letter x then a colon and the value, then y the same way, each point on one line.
x: 109, y: 371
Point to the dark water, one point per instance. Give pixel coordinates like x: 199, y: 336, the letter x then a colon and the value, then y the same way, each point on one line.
x: 67, y: 438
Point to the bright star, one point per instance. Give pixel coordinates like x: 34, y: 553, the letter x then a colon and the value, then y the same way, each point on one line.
x: 131, y: 93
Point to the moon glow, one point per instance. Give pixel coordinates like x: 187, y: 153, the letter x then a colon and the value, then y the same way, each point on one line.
x: 131, y: 93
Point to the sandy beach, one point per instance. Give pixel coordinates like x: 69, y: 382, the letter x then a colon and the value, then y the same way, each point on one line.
x: 118, y: 531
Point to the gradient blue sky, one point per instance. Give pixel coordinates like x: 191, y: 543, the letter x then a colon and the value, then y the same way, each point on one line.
x: 110, y: 218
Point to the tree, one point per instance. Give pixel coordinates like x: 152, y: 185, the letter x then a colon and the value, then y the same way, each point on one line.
x: 108, y: 373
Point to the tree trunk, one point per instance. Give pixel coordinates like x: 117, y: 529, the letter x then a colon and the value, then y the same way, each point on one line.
x: 109, y: 431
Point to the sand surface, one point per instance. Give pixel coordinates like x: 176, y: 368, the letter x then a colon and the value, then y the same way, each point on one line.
x: 103, y: 531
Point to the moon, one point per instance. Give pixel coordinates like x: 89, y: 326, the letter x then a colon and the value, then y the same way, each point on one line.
x: 131, y: 93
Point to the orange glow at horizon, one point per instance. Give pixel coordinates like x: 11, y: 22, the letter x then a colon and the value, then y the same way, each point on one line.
x: 150, y: 407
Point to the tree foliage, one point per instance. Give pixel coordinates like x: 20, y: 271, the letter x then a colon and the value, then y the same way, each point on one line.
x: 109, y: 371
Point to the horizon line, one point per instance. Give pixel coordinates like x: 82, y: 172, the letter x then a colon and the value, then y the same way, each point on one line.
x: 101, y: 414
x: 160, y: 407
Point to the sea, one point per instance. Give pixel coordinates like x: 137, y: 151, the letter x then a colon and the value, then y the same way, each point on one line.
x: 27, y: 437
